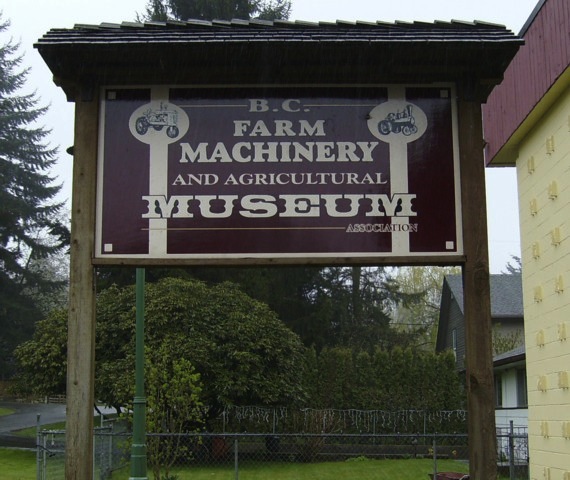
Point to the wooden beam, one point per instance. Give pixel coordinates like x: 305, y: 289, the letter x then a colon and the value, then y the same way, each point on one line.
x: 81, y: 322
x: 438, y: 260
x: 477, y: 297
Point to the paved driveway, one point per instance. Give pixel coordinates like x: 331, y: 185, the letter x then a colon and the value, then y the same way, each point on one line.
x: 26, y: 415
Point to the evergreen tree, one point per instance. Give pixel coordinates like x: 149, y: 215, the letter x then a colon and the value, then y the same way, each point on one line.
x: 162, y: 10
x: 325, y: 306
x: 420, y: 319
x: 358, y: 304
x: 29, y: 229
x: 513, y: 269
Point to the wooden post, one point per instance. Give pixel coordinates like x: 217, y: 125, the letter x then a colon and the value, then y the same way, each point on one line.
x: 81, y: 322
x: 477, y: 297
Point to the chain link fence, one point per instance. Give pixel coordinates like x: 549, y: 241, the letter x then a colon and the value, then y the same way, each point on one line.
x: 110, y: 452
x: 244, y: 456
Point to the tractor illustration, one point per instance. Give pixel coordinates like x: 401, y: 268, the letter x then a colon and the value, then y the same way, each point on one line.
x: 399, y: 122
x: 158, y: 119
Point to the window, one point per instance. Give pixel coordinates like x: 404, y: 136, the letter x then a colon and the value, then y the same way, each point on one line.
x: 454, y: 342
x: 498, y: 390
x: 522, y: 396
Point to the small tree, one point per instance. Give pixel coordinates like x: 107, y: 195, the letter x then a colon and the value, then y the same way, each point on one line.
x: 420, y: 319
x: 506, y: 341
x: 173, y: 392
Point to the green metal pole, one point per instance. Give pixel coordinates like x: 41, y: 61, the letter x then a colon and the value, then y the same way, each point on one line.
x: 138, y: 450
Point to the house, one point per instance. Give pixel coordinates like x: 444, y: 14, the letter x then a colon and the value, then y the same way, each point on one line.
x: 506, y: 314
x: 508, y: 336
x: 527, y: 125
x: 511, y: 399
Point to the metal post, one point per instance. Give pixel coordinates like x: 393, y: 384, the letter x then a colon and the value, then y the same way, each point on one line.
x: 138, y: 450
x: 94, y: 451
x: 38, y: 447
x: 110, y: 451
x: 236, y: 459
x: 434, y: 459
x: 44, y: 456
x: 512, y: 451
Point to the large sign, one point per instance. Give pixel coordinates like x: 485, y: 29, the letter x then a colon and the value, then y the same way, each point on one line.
x: 247, y: 174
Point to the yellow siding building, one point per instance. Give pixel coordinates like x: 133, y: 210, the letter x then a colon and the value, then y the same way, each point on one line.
x: 543, y: 171
x: 527, y: 124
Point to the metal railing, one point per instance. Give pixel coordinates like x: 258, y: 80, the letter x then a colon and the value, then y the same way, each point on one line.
x: 512, y: 452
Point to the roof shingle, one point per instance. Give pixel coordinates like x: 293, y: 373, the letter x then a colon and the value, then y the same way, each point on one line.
x: 506, y: 294
x: 259, y: 51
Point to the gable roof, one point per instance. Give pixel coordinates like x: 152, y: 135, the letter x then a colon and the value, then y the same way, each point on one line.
x: 506, y: 302
x: 278, y: 51
x: 506, y: 294
x: 512, y: 356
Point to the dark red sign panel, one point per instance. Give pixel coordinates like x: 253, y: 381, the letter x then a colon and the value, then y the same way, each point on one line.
x: 277, y: 173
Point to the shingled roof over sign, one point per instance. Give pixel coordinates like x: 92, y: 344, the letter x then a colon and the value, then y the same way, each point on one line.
x: 278, y: 52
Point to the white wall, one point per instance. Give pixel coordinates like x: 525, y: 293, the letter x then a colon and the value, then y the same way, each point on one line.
x: 509, y: 410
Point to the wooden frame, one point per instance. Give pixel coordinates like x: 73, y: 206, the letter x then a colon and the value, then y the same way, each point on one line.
x: 471, y: 56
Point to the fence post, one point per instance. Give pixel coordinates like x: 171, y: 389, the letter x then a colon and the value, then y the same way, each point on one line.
x: 100, y: 441
x: 44, y: 474
x: 236, y: 456
x: 512, y: 451
x: 110, y: 451
x: 434, y: 459
x: 38, y: 448
x: 100, y: 449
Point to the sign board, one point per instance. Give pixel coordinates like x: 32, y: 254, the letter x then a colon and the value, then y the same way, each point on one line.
x: 304, y: 173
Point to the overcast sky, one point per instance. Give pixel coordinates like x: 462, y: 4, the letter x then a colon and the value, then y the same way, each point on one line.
x: 30, y: 19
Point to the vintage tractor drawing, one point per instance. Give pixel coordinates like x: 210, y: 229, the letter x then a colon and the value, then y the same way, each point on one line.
x: 158, y: 119
x: 401, y: 121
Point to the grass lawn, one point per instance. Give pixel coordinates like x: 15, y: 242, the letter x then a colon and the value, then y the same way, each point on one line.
x: 21, y: 465
x: 17, y: 464
x: 358, y: 469
x: 6, y: 411
x: 31, y: 432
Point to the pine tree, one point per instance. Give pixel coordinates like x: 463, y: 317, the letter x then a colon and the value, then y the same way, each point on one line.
x: 29, y: 229
x: 162, y: 10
